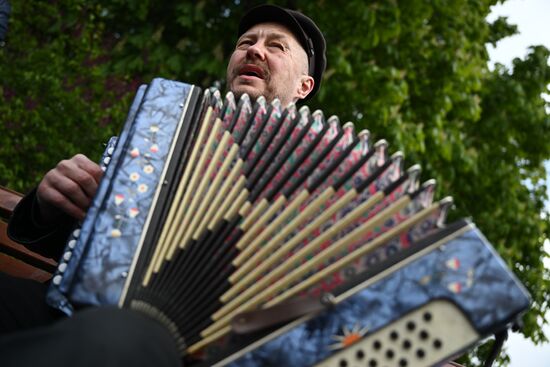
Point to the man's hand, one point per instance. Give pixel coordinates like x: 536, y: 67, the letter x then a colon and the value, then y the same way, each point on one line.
x: 68, y: 188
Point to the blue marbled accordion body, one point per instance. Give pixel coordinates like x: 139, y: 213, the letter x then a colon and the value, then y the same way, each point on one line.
x: 97, y: 265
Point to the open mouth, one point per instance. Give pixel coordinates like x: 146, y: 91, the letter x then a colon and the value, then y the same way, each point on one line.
x: 252, y: 71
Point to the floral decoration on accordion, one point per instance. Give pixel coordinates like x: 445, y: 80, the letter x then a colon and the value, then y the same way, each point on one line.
x: 452, y: 274
x: 125, y: 205
x: 348, y: 337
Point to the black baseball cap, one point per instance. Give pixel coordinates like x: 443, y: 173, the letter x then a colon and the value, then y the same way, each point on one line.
x: 305, y: 30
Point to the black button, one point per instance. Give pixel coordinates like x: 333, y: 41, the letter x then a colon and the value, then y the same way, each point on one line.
x: 424, y: 335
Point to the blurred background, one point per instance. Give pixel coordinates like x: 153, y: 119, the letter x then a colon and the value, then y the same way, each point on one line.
x: 530, y: 16
x: 417, y: 73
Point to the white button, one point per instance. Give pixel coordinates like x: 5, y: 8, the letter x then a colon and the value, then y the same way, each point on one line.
x: 57, y: 279
x: 106, y: 160
x: 71, y: 244
x: 110, y: 150
x: 67, y: 255
x: 76, y: 233
x: 62, y: 267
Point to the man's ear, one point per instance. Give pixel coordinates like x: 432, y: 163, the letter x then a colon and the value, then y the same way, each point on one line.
x: 306, y: 86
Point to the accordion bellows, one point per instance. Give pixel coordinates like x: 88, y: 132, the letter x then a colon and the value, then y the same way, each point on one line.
x: 213, y: 210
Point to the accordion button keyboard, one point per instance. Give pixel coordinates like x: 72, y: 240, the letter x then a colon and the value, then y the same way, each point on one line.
x: 420, y: 338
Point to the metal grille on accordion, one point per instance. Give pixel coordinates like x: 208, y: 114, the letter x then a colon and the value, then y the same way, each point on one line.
x: 264, y: 235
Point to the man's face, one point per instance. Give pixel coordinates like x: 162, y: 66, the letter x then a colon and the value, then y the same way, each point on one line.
x: 269, y: 61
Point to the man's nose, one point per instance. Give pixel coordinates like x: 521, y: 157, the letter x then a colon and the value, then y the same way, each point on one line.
x: 256, y: 51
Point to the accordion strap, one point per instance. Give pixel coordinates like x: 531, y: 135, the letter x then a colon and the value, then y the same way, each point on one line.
x: 500, y: 338
x: 257, y: 320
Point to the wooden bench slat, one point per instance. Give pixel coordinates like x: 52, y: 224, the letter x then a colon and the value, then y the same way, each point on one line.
x: 17, y: 268
x: 8, y: 201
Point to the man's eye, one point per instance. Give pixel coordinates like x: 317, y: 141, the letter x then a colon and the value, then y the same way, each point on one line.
x: 280, y: 46
x: 244, y: 43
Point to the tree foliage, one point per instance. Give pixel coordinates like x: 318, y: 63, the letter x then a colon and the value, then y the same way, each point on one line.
x: 414, y: 72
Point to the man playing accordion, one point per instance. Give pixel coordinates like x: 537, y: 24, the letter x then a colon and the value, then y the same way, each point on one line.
x: 279, y: 53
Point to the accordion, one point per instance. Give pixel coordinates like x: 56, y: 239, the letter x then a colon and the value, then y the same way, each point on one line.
x: 263, y: 235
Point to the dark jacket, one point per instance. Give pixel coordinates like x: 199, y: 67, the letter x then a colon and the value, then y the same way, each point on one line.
x: 24, y: 229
